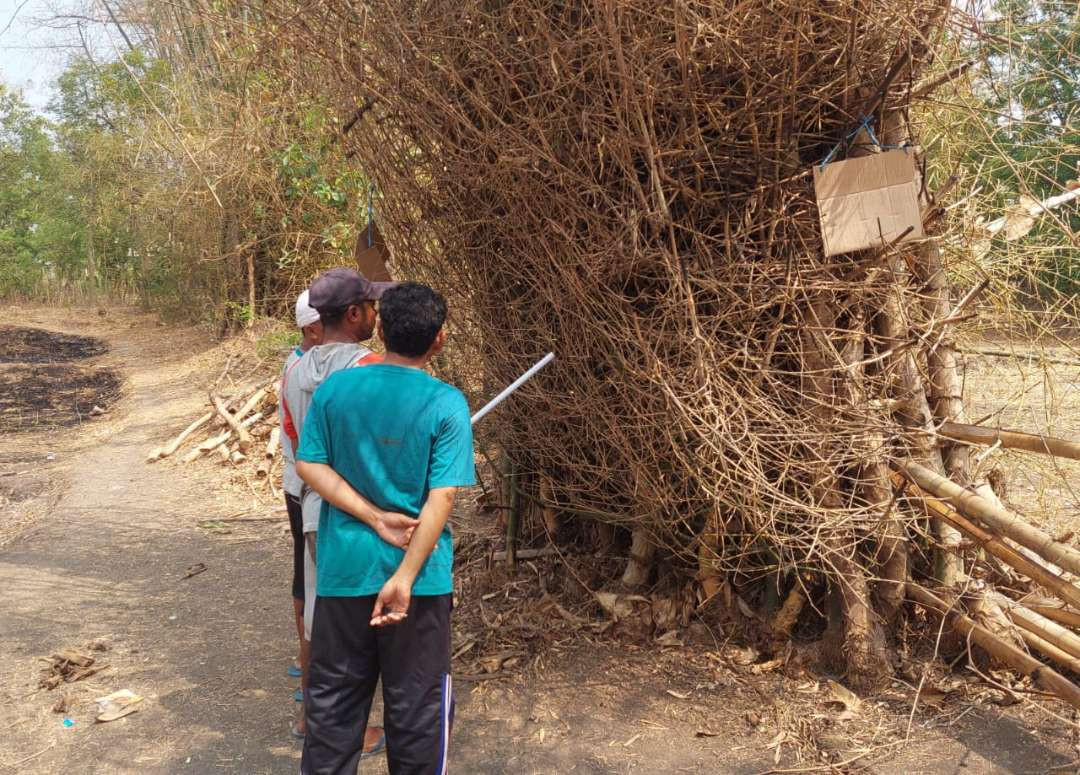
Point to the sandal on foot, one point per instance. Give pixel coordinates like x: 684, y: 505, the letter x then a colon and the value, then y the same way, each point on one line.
x: 298, y: 695
x: 294, y: 671
x: 380, y: 746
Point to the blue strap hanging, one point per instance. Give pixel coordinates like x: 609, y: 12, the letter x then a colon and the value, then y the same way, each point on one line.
x: 865, y: 123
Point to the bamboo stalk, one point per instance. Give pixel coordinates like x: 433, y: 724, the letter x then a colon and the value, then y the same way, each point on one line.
x: 1045, y: 628
x: 251, y: 403
x: 214, y: 442
x: 1009, y: 525
x: 1049, y: 650
x: 1009, y: 555
x: 1060, y: 615
x: 273, y: 443
x: 1029, y: 442
x: 988, y: 351
x: 514, y: 516
x: 233, y: 421
x: 172, y: 446
x: 1046, y: 678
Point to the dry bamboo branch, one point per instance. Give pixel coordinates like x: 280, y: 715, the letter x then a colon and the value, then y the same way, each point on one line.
x: 1009, y: 525
x: 1044, y: 677
x: 992, y: 353
x: 214, y: 442
x: 1049, y: 630
x: 172, y: 446
x: 272, y: 447
x: 243, y: 437
x: 1049, y: 650
x: 273, y: 444
x: 251, y: 403
x: 1029, y: 442
x: 1042, y: 576
x: 1060, y: 615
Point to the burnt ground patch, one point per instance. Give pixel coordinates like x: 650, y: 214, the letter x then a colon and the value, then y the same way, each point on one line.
x: 35, y: 345
x: 43, y: 396
x: 40, y: 387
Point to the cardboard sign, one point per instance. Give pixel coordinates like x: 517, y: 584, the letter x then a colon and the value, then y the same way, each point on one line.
x: 866, y: 201
x: 371, y: 259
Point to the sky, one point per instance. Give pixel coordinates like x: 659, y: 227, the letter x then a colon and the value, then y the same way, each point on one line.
x: 32, y: 55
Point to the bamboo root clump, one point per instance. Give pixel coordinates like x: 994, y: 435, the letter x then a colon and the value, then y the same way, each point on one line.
x: 629, y: 184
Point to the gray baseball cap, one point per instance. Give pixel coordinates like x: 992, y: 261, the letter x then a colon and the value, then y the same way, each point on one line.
x: 340, y: 287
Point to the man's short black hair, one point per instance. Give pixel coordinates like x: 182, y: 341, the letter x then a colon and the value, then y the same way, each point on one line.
x: 412, y: 314
x: 332, y: 317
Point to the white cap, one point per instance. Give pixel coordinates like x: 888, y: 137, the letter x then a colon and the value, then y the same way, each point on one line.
x: 305, y: 313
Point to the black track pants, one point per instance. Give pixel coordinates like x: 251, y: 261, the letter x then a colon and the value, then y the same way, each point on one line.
x: 347, y: 657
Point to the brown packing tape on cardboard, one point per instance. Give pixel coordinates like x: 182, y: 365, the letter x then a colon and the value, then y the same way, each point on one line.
x: 371, y: 260
x: 866, y: 201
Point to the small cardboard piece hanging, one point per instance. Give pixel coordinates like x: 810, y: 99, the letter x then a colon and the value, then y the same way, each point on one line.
x: 867, y: 200
x: 372, y: 255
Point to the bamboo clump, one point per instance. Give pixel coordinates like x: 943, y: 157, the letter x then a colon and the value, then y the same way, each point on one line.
x: 630, y: 185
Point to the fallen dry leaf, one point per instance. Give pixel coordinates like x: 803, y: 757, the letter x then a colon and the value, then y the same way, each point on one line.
x: 845, y: 697
x: 932, y: 696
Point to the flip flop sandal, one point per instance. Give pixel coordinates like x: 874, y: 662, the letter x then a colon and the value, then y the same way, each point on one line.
x: 294, y: 730
x: 378, y: 749
x: 298, y: 695
x: 294, y: 671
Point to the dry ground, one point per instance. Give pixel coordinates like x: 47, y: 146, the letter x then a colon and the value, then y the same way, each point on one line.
x: 97, y: 543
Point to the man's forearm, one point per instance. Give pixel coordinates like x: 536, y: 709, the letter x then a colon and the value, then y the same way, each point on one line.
x: 333, y: 489
x: 433, y: 516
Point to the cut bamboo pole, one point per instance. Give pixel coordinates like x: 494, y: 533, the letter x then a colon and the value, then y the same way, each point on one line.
x: 1009, y: 525
x: 1046, y: 678
x: 214, y: 442
x: 913, y: 409
x: 1049, y: 650
x: 638, y: 565
x: 1029, y: 442
x: 1017, y: 356
x: 1060, y: 615
x: 242, y: 436
x: 1046, y: 629
x: 252, y: 402
x: 985, y: 609
x: 272, y: 446
x: 944, y: 387
x: 273, y: 443
x: 172, y: 446
x: 1009, y: 555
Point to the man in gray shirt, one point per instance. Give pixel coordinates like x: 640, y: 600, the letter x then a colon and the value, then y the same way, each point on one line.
x: 307, y: 320
x: 345, y: 300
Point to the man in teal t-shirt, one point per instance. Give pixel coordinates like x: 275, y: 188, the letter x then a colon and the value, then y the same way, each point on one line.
x: 378, y: 443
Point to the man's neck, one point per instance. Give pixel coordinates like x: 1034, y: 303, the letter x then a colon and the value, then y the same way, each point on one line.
x: 337, y: 336
x: 394, y: 359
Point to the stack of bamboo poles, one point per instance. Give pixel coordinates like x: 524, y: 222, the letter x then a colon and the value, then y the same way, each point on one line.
x: 239, y: 429
x: 1033, y: 606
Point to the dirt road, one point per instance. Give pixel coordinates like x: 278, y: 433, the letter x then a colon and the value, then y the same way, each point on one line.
x: 105, y: 558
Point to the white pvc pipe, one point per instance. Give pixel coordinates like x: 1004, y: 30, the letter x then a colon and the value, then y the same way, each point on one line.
x: 512, y: 387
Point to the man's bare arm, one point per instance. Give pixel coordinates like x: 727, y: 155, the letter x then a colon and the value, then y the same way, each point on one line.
x: 396, y: 529
x: 393, y: 601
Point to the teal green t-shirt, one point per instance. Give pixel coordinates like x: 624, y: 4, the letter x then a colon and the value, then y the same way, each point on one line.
x: 394, y: 433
